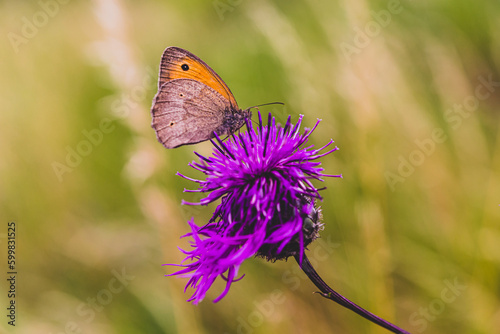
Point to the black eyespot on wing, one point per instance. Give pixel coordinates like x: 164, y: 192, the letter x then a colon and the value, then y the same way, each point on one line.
x: 185, y: 67
x: 171, y: 123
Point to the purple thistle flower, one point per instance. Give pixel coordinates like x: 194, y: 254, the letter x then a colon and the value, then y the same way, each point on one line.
x: 263, y: 178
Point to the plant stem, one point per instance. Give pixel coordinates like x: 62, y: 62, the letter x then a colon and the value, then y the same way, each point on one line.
x: 329, y: 293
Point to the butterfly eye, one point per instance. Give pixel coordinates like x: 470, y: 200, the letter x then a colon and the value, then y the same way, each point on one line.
x: 185, y: 67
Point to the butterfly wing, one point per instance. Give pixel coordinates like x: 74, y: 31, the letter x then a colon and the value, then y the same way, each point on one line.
x: 186, y: 111
x: 177, y: 63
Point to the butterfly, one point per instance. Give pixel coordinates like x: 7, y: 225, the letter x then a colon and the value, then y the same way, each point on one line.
x: 192, y: 102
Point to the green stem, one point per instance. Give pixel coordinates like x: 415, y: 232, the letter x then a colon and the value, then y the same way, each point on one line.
x: 329, y: 293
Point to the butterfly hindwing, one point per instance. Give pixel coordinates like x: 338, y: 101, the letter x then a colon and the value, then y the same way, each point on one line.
x: 186, y: 111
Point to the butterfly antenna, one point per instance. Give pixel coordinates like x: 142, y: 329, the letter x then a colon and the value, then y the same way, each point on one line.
x: 266, y: 104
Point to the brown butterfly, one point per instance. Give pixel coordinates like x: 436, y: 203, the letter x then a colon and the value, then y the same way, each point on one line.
x: 192, y: 102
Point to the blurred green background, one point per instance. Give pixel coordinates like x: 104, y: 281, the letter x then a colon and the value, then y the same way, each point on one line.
x: 408, y: 90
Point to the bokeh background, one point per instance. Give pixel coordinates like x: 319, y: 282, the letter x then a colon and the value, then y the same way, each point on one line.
x: 409, y: 91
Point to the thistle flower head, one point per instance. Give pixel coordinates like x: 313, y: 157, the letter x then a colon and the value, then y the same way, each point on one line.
x: 263, y: 178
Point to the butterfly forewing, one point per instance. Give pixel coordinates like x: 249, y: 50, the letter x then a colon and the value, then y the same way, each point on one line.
x: 178, y: 63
